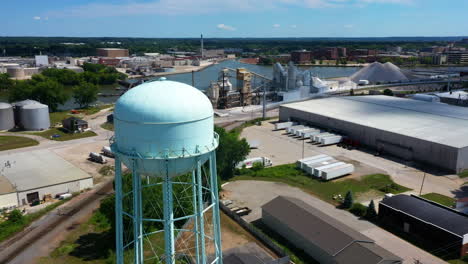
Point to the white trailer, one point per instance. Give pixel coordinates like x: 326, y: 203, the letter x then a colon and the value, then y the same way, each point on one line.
x: 300, y: 162
x: 316, y: 137
x: 338, y: 171
x: 318, y: 170
x: 310, y: 132
x: 331, y: 140
x: 298, y: 131
x: 309, y: 167
x: 248, y: 163
x: 284, y: 125
x: 289, y: 129
x: 292, y: 130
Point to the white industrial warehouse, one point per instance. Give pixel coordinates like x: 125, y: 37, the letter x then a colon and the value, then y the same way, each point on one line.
x: 29, y: 176
x: 412, y: 130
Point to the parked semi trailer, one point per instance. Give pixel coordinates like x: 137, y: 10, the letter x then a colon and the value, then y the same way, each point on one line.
x: 318, y: 170
x: 336, y: 172
x: 293, y: 129
x: 300, y: 162
x: 310, y: 132
x: 331, y: 140
x: 284, y: 125
x: 315, y: 138
x: 309, y: 167
x: 298, y: 132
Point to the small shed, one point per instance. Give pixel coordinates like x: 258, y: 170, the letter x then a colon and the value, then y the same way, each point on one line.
x: 74, y: 124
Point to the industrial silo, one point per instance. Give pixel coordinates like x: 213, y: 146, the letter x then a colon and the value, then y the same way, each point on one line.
x: 35, y: 117
x: 164, y: 134
x: 17, y: 108
x: 7, y: 120
x: 16, y: 72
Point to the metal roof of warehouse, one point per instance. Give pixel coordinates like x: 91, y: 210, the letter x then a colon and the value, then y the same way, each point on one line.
x: 429, y: 212
x: 332, y: 236
x: 36, y: 169
x: 435, y: 122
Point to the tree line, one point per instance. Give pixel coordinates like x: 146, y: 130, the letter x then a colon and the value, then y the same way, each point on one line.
x: 54, y: 87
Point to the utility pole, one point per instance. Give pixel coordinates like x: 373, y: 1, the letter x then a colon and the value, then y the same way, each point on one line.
x: 193, y: 78
x: 303, y: 146
x: 422, y: 184
x: 264, y: 101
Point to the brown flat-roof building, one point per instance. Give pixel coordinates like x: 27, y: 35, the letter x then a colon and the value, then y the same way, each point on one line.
x: 322, y: 237
x: 111, y: 52
x: 301, y: 57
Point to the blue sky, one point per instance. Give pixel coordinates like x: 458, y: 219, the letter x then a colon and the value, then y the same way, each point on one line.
x: 234, y: 18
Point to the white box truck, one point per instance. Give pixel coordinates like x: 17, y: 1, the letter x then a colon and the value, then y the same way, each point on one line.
x: 248, y: 163
x: 338, y: 171
x: 331, y: 140
x: 284, y: 125
x: 318, y: 170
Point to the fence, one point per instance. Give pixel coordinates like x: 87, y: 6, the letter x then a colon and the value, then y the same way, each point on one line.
x: 284, y: 257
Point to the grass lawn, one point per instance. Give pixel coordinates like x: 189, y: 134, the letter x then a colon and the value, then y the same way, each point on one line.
x: 108, y: 126
x: 457, y: 261
x: 463, y: 174
x: 63, y: 135
x: 12, y: 142
x: 7, y: 229
x: 439, y: 198
x: 57, y: 117
x: 293, y: 176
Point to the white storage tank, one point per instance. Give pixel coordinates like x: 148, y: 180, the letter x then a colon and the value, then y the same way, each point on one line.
x: 7, y: 120
x: 17, y: 107
x: 35, y: 117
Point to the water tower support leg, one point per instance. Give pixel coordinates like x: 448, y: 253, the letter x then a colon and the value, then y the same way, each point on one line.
x: 118, y: 212
x: 137, y: 216
x: 168, y: 218
x: 201, y: 224
x: 195, y: 219
x: 216, y: 219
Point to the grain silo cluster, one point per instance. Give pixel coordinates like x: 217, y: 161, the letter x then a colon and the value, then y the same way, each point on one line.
x: 27, y: 115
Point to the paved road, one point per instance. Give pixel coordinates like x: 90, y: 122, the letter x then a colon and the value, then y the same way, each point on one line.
x: 254, y: 194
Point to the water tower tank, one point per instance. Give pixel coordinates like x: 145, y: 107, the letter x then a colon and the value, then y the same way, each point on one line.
x: 164, y: 120
x: 7, y: 120
x: 35, y: 117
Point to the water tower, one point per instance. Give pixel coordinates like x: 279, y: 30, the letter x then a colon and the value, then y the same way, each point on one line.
x: 167, y: 209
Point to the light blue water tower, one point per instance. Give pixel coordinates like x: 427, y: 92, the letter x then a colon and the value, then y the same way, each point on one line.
x: 164, y: 131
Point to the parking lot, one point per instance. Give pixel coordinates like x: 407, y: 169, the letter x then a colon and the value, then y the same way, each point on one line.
x: 284, y: 149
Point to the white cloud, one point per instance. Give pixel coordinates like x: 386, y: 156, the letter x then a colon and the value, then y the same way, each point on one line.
x: 225, y: 27
x: 276, y: 25
x: 348, y: 26
x: 37, y: 18
x: 178, y: 7
x: 293, y: 26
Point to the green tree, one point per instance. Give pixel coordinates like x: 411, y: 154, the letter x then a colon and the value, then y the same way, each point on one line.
x: 388, y: 92
x: 371, y: 213
x: 5, y: 81
x: 231, y: 151
x: 51, y: 93
x: 63, y: 76
x: 85, y: 94
x: 349, y: 200
x: 351, y: 92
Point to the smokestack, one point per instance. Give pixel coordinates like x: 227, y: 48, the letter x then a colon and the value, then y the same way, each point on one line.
x: 201, y: 41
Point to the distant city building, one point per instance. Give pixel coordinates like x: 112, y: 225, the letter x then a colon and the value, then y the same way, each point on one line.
x: 109, y: 61
x: 213, y: 53
x: 439, y: 59
x: 326, y: 54
x: 457, y: 57
x: 233, y: 50
x: 342, y: 52
x: 112, y: 52
x: 42, y: 60
x: 301, y: 57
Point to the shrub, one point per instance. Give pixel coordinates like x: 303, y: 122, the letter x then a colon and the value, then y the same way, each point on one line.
x: 371, y: 213
x: 358, y: 210
x: 16, y: 216
x: 349, y: 200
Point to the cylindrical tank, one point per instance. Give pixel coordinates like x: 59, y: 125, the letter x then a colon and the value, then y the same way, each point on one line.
x: 15, y: 72
x: 163, y: 123
x: 17, y: 108
x: 35, y: 117
x: 7, y: 120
